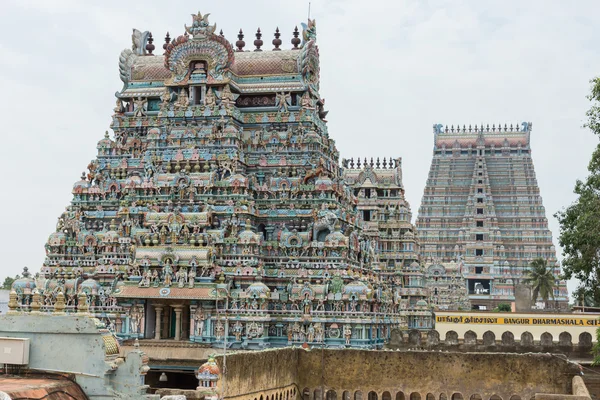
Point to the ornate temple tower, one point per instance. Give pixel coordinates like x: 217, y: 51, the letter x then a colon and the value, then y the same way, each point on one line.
x: 482, y: 209
x: 218, y: 212
x: 387, y: 223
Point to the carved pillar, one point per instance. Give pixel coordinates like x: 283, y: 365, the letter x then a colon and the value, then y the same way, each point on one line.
x: 178, y: 309
x: 158, y: 308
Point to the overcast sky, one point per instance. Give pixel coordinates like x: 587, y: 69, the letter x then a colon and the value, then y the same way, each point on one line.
x: 389, y: 71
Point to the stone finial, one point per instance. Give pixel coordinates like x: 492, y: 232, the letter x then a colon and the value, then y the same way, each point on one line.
x: 36, y: 302
x: 277, y: 42
x: 167, y: 41
x: 296, y: 40
x: 59, y: 305
x: 240, y: 42
x: 13, y: 305
x: 82, y: 305
x: 258, y: 42
x: 149, y: 46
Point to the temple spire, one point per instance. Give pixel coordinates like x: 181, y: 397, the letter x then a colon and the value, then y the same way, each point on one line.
x: 258, y: 42
x: 296, y: 40
x: 277, y: 41
x: 240, y: 42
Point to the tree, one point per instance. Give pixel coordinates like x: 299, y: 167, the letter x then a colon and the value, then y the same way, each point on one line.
x: 503, y: 307
x: 8, y: 281
x: 580, y: 222
x: 541, y: 280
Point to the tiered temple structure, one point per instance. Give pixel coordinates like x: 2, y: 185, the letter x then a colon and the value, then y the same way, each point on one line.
x: 387, y: 220
x: 218, y: 213
x: 482, y: 209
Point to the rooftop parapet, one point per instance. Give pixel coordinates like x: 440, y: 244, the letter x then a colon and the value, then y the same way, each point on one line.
x: 499, y: 136
x: 523, y: 127
x: 390, y: 163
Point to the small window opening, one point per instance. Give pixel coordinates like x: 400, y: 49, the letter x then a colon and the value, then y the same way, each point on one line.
x: 366, y: 215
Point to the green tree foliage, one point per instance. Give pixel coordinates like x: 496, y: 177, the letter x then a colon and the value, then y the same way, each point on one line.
x: 541, y: 280
x: 8, y: 281
x: 503, y: 307
x: 580, y: 222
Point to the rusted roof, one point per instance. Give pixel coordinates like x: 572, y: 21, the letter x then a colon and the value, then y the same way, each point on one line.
x: 50, y: 387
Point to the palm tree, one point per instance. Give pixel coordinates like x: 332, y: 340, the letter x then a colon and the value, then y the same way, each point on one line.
x: 541, y: 280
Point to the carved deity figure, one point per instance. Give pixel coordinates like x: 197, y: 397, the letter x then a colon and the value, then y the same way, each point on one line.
x: 307, y: 304
x: 191, y: 277
x: 227, y: 98
x: 219, y: 330
x: 311, y: 333
x: 319, y: 332
x: 237, y: 330
x: 119, y: 108
x: 167, y: 274
x: 145, y: 281
x: 199, y: 318
x: 282, y: 101
x: 306, y: 102
x: 347, y: 334
x: 135, y: 319
x: 140, y: 106
x: 210, y: 100
x: 165, y: 100
x: 183, y: 100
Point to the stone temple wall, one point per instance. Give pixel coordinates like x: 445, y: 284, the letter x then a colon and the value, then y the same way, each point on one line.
x: 268, y: 371
x: 390, y: 375
x: 574, y: 346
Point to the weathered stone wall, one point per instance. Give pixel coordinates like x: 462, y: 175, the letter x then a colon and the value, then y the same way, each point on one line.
x: 391, y: 375
x: 485, y: 374
x: 254, y: 372
x: 578, y: 347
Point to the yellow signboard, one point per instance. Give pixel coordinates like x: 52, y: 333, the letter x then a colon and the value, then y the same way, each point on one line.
x: 560, y: 321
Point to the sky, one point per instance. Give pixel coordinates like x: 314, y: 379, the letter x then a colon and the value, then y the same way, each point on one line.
x: 390, y: 70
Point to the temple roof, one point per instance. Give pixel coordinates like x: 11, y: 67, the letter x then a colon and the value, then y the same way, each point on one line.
x: 247, y: 63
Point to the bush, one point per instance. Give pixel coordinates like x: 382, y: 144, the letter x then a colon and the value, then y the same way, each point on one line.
x: 503, y: 307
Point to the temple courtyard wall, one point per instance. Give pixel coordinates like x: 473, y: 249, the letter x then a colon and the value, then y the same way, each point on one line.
x: 350, y: 374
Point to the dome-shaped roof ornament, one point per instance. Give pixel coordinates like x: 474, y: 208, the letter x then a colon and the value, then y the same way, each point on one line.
x: 208, y: 375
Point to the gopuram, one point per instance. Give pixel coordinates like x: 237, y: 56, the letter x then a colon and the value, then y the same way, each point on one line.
x: 482, y: 215
x: 218, y: 213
